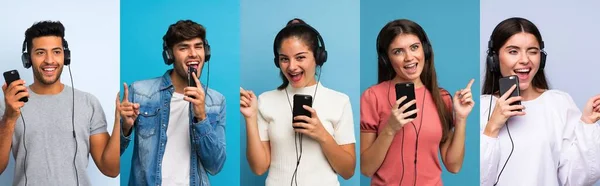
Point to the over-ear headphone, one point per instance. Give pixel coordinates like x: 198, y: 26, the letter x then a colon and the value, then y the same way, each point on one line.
x: 382, y: 55
x: 320, y: 53
x: 168, y: 53
x: 26, y: 56
x: 493, y: 62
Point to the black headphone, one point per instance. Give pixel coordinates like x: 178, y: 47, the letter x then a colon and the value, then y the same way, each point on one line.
x: 168, y: 53
x: 26, y: 56
x: 493, y: 62
x: 384, y: 57
x: 320, y: 53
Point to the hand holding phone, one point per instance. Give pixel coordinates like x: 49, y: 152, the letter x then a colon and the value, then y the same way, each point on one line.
x: 506, y: 83
x: 298, y: 110
x: 11, y: 76
x: 408, y: 90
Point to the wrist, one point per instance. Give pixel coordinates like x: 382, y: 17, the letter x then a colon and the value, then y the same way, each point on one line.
x: 389, y: 131
x: 491, y: 130
x: 587, y: 120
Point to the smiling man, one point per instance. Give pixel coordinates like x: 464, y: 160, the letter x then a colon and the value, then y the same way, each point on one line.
x: 179, y: 129
x: 52, y: 135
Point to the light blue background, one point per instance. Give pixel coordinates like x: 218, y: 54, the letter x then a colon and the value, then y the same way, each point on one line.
x: 143, y: 26
x: 570, y: 32
x: 452, y: 27
x: 94, y: 44
x: 337, y: 21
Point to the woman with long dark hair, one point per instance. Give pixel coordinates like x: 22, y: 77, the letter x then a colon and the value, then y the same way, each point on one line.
x: 391, y: 142
x: 544, y: 140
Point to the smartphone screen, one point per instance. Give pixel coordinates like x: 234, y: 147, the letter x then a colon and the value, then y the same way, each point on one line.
x: 298, y: 110
x: 408, y: 90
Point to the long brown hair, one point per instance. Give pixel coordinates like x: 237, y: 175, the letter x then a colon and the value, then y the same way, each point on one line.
x: 428, y: 75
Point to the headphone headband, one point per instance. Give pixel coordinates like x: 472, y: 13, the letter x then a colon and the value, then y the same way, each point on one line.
x: 320, y: 53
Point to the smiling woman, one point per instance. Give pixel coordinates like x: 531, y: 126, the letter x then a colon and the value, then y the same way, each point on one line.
x: 329, y: 149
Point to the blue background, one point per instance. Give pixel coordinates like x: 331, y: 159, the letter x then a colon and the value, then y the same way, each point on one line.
x: 143, y: 25
x: 337, y: 21
x: 453, y: 28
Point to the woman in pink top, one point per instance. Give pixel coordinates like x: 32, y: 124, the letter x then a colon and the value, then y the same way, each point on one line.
x: 390, y: 143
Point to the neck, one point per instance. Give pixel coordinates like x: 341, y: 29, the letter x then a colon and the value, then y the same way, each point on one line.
x: 418, y: 83
x: 531, y: 93
x: 178, y: 82
x: 45, y: 89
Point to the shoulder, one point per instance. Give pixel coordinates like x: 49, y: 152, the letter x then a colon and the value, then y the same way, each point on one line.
x: 146, y: 86
x: 557, y: 96
x: 83, y: 97
x: 215, y: 96
x: 333, y: 95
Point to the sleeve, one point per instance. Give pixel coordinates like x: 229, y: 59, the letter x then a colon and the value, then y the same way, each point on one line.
x: 369, y: 116
x: 208, y: 138
x: 344, y: 131
x: 125, y: 140
x: 579, y: 159
x: 489, y: 150
x: 263, y: 125
x: 98, y: 119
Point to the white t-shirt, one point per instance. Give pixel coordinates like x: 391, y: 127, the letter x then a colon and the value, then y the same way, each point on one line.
x: 275, y: 125
x: 552, y: 146
x: 176, y: 160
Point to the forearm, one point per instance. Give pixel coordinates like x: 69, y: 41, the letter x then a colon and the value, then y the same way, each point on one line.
x: 456, y: 149
x: 340, y: 160
x: 210, y: 144
x: 372, y: 158
x: 111, y: 155
x: 255, y: 151
x: 7, y: 127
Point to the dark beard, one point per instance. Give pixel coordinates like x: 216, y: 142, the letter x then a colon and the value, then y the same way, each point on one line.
x: 38, y: 75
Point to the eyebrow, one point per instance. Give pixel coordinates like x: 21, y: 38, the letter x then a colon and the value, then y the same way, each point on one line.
x: 417, y: 43
x: 300, y: 53
x: 43, y: 49
x: 187, y: 45
x: 516, y: 47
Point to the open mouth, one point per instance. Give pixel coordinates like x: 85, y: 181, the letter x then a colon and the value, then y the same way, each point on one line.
x: 192, y: 64
x: 296, y: 76
x: 49, y: 70
x: 522, y: 73
x: 411, y: 68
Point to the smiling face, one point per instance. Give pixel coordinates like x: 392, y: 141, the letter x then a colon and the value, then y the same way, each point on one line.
x: 520, y: 56
x: 407, y: 57
x: 47, y: 58
x: 297, y: 62
x: 188, y: 54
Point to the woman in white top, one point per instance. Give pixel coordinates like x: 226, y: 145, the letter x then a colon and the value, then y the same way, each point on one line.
x: 549, y: 141
x: 273, y: 143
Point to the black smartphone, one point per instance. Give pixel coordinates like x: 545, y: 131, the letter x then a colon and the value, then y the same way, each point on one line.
x: 191, y: 81
x: 506, y: 83
x: 408, y: 90
x: 13, y: 75
x: 298, y: 110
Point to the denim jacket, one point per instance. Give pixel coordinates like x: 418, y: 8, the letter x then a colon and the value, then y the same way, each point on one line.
x: 207, y: 137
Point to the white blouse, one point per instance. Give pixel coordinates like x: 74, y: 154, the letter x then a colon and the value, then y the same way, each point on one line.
x: 275, y: 125
x: 552, y: 146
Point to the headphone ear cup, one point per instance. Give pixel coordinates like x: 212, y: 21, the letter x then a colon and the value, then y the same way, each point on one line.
x: 67, y: 57
x: 490, y: 62
x: 321, y: 56
x: 543, y: 60
x: 207, y: 53
x: 167, y: 57
x: 26, y: 60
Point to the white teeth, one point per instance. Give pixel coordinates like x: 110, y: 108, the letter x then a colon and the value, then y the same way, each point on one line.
x: 410, y: 65
x: 192, y: 63
x: 49, y: 69
x: 522, y: 70
x: 295, y: 74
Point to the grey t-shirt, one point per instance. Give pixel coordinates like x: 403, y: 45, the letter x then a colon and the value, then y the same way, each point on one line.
x: 48, y: 137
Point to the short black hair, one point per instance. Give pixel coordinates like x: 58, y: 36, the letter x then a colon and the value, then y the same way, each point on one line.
x: 44, y: 28
x: 184, y: 30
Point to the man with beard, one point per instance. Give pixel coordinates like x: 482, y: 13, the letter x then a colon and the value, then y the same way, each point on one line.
x: 179, y: 127
x: 52, y: 134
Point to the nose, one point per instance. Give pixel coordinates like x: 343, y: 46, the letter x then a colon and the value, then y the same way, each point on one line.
x: 409, y: 56
x: 49, y: 57
x: 524, y: 58
x: 293, y: 64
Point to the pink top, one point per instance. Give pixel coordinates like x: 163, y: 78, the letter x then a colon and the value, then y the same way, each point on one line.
x: 375, y: 108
